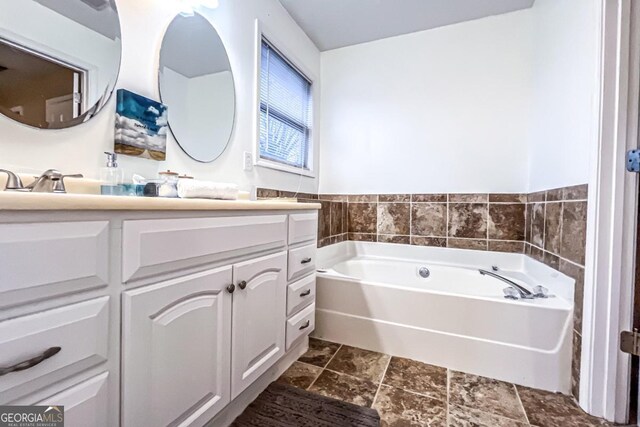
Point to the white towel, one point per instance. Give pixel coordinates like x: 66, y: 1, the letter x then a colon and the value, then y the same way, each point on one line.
x: 194, y: 189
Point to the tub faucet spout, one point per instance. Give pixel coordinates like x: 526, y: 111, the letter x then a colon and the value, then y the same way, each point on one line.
x: 521, y: 290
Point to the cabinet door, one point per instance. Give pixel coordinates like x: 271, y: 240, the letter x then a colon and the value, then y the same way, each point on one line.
x: 258, y: 318
x: 176, y: 340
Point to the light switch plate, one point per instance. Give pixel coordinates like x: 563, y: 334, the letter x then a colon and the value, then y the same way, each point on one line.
x: 247, y: 161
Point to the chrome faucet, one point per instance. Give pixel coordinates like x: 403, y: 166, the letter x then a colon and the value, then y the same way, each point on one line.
x: 51, y: 181
x: 13, y: 181
x: 523, y: 292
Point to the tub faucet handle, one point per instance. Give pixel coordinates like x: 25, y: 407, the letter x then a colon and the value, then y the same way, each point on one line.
x: 540, y: 291
x: 511, y: 293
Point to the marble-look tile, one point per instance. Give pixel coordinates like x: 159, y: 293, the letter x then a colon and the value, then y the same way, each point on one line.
x: 429, y: 219
x: 475, y: 244
x: 527, y: 222
x: 551, y: 260
x: 394, y: 198
x: 266, y: 193
x: 466, y: 417
x: 324, y: 220
x: 440, y: 242
x: 333, y: 197
x: 469, y: 198
x: 360, y: 363
x: 485, y: 394
x: 363, y: 237
x: 387, y: 238
x: 506, y: 221
x: 506, y: 246
x: 575, y: 364
x: 319, y: 353
x: 417, y: 377
x: 357, y: 198
x: 394, y: 218
x: 507, y: 198
x: 468, y: 220
x: 555, y: 194
x: 546, y: 409
x: 537, y: 253
x: 300, y: 375
x: 345, y: 387
x: 442, y: 198
x: 574, y: 231
x: 577, y: 274
x: 539, y: 196
x: 399, y: 408
x: 363, y: 217
x: 537, y: 224
x: 336, y: 218
x: 345, y: 217
x: 576, y: 192
x: 552, y: 227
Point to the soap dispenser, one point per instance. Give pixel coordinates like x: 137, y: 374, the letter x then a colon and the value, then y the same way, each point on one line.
x: 111, y: 176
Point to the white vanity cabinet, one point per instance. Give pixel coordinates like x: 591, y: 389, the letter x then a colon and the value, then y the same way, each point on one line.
x: 162, y: 319
x: 259, y: 313
x: 176, y: 338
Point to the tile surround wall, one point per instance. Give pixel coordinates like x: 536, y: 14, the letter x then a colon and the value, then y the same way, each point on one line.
x: 556, y: 230
x: 549, y: 226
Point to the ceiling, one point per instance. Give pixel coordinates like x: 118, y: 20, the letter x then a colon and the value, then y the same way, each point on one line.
x: 98, y: 15
x: 332, y: 24
x: 192, y: 47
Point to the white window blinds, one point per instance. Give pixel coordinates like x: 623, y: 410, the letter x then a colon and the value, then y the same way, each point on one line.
x: 285, y: 110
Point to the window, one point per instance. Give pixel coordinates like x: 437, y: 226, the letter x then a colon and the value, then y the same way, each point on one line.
x: 285, y: 111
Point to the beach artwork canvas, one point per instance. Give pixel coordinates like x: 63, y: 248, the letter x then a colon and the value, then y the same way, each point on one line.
x: 141, y: 126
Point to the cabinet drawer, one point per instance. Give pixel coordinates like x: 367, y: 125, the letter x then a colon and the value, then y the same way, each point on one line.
x: 81, y: 332
x: 300, y: 294
x: 152, y: 247
x: 85, y: 404
x: 300, y: 325
x: 302, y: 261
x: 41, y: 261
x: 303, y: 227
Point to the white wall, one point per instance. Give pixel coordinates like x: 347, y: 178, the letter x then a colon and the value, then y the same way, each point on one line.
x: 143, y: 24
x: 501, y: 104
x: 442, y: 110
x: 564, y: 97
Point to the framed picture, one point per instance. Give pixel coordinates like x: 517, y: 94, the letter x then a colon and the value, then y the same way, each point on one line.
x: 141, y: 126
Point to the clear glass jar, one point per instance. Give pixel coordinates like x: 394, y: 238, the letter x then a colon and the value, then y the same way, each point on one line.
x: 169, y: 186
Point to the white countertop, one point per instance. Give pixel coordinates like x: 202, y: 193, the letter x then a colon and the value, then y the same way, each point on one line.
x: 19, y: 201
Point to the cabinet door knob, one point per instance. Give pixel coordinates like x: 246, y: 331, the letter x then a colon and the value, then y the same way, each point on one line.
x: 305, y: 261
x: 231, y: 288
x: 30, y: 363
x: 305, y: 326
x: 305, y: 293
x: 242, y: 284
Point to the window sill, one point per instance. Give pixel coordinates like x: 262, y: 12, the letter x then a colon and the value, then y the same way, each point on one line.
x: 284, y: 168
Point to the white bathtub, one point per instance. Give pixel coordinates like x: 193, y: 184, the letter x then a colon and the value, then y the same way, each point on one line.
x: 370, y: 295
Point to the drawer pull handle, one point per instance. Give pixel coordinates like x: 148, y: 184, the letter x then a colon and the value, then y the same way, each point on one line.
x: 242, y: 284
x: 231, y: 288
x: 305, y: 326
x: 305, y: 261
x: 305, y: 293
x: 50, y: 352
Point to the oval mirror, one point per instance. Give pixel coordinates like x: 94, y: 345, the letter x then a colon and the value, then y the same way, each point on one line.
x: 196, y: 85
x: 59, y: 60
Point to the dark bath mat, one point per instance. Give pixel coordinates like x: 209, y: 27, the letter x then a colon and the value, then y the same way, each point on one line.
x: 282, y: 405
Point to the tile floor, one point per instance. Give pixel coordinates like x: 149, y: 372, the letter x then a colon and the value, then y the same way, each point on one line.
x: 409, y: 393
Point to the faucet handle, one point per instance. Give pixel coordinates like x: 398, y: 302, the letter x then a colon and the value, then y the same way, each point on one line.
x: 13, y: 181
x: 58, y: 185
x: 540, y: 291
x: 511, y: 293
